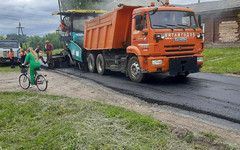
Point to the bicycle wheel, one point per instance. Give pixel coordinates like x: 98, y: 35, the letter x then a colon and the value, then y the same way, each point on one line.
x: 24, y: 81
x: 41, y: 83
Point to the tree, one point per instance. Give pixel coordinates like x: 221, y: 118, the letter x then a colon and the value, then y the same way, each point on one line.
x: 1, y: 37
x: 21, y: 38
x: 53, y: 38
x: 36, y: 40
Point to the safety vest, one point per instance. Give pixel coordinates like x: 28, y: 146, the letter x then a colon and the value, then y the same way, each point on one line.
x: 49, y: 48
x: 10, y: 55
x: 64, y: 27
x: 23, y: 53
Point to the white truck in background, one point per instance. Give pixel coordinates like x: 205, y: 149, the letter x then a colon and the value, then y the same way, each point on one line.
x: 5, y: 46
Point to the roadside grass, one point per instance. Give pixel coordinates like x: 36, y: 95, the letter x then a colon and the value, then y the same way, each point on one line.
x: 57, y: 51
x: 190, y: 138
x: 35, y: 121
x: 54, y: 52
x: 210, y: 135
x: 199, y: 147
x: 9, y: 69
x: 221, y: 60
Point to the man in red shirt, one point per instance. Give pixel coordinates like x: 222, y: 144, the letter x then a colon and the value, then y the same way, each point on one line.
x: 48, y: 50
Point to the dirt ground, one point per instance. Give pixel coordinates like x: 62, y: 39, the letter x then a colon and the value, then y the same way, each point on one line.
x: 88, y: 90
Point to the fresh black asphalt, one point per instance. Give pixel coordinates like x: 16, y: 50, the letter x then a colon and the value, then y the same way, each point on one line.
x: 211, y: 95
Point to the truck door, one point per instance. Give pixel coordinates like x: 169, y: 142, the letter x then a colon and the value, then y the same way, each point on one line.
x: 140, y: 34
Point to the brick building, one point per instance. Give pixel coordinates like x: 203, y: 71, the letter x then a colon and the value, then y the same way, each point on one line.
x: 221, y: 20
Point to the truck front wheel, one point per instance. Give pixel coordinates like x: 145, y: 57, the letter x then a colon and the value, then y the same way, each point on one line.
x: 91, y: 63
x: 134, y: 70
x: 100, y: 64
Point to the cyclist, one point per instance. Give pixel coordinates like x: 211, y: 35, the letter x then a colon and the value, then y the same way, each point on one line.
x: 33, y: 59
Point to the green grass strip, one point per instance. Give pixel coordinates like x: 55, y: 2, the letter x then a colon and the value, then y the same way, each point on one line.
x: 54, y: 52
x: 9, y: 69
x: 221, y: 60
x: 33, y: 121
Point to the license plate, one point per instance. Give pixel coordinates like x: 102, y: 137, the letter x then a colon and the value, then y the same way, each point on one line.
x: 180, y: 39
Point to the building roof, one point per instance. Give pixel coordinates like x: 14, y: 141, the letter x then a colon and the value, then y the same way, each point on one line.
x: 214, y: 5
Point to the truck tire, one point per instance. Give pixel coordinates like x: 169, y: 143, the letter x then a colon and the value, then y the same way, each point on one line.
x: 100, y: 64
x: 134, y: 70
x: 91, y: 59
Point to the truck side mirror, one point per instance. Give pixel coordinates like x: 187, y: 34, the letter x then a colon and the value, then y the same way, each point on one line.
x: 139, y: 25
x: 200, y: 21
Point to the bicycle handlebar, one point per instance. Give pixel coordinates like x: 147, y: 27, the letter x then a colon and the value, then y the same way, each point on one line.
x: 23, y: 66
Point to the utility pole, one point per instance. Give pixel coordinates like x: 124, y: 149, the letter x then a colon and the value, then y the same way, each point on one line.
x: 199, y: 1
x: 60, y: 7
x: 20, y: 31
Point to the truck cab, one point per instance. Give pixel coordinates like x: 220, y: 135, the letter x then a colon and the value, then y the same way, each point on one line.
x: 5, y: 46
x: 167, y: 39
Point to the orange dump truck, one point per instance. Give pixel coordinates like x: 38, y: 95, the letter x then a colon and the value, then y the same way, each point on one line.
x: 138, y: 40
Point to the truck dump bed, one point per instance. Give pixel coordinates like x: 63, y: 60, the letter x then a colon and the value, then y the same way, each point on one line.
x: 109, y: 31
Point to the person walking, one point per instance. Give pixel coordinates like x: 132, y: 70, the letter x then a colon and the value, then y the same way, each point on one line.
x: 11, y: 56
x: 33, y: 60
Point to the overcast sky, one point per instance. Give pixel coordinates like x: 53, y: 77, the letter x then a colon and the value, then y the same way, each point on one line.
x: 35, y: 15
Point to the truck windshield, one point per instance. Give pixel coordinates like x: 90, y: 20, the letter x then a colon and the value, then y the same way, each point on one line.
x: 173, y: 20
x: 8, y: 44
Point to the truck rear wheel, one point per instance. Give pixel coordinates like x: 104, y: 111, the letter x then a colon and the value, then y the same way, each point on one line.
x: 134, y: 70
x: 100, y: 64
x: 91, y: 63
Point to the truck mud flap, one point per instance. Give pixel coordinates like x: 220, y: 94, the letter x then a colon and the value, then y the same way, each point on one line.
x: 183, y: 65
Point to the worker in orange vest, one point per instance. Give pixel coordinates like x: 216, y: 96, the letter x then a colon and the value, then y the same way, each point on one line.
x: 23, y: 55
x: 48, y: 50
x: 11, y: 56
x: 37, y: 50
x: 64, y: 27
